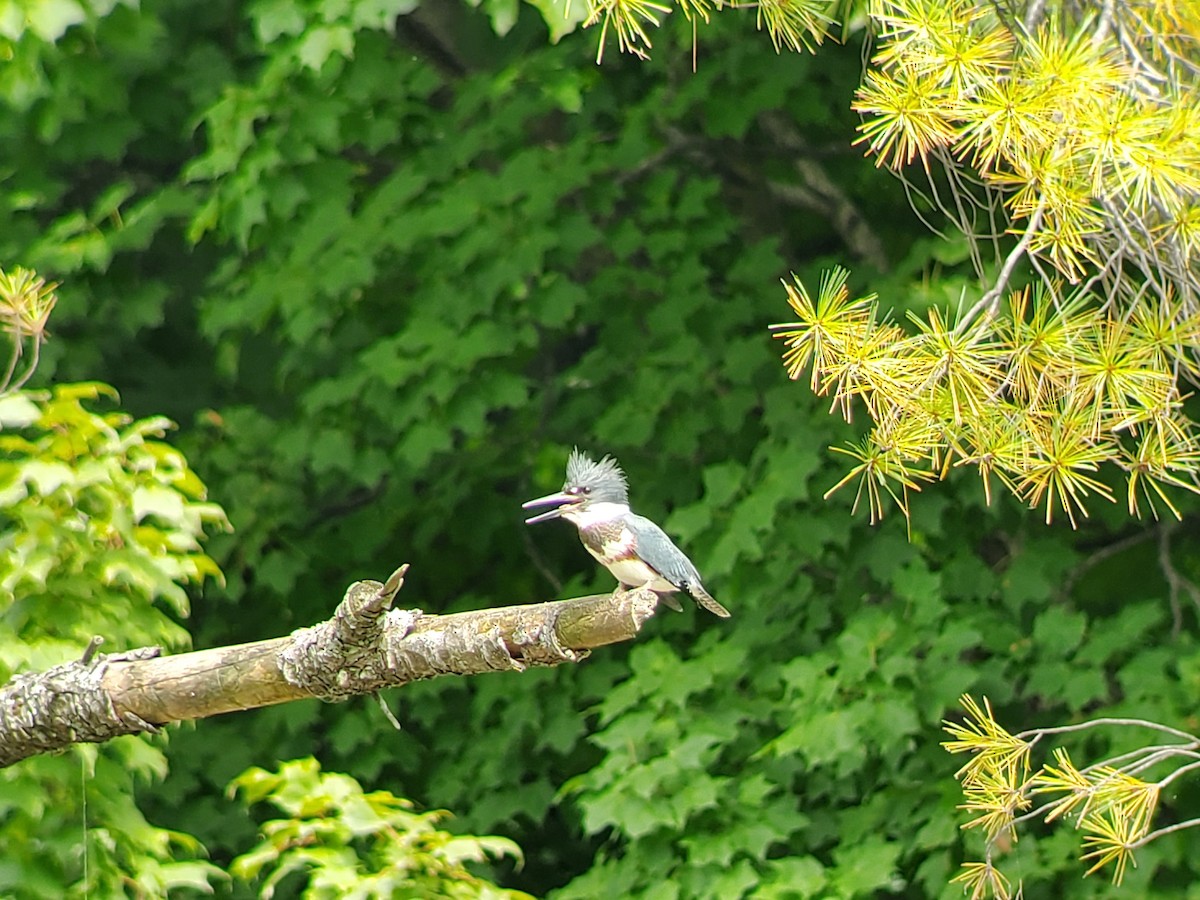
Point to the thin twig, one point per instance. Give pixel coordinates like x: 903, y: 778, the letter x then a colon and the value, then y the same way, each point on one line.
x: 1154, y: 754
x: 1101, y: 555
x: 1108, y: 720
x: 539, y: 563
x: 1033, y: 16
x: 1104, y: 23
x: 1167, y: 779
x: 12, y: 360
x: 30, y: 369
x: 1175, y: 581
x: 991, y: 299
x: 1178, y: 826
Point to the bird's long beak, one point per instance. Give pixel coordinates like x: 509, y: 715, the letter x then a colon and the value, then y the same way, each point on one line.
x: 559, y: 501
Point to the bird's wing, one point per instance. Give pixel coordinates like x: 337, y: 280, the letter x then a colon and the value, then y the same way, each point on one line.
x: 660, y: 553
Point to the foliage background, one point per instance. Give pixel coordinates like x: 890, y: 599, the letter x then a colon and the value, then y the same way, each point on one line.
x: 385, y: 272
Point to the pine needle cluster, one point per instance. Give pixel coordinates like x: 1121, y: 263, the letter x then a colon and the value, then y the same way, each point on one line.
x: 1107, y: 801
x: 26, y: 301
x: 792, y: 24
x: 1089, y: 123
x: 1081, y: 137
x: 1037, y: 401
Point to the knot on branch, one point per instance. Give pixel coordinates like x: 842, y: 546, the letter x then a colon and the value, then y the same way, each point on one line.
x: 48, y: 710
x: 366, y: 646
x: 537, y: 643
x: 345, y: 655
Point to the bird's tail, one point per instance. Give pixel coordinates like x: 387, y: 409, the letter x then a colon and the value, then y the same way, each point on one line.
x: 706, y: 600
x: 669, y: 600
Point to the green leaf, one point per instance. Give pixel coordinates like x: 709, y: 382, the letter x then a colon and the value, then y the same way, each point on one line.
x: 734, y: 881
x: 800, y: 876
x: 274, y: 19
x: 331, y: 451
x: 867, y: 866
x: 47, y: 477
x: 161, y: 502
x: 561, y: 17
x: 721, y: 483
x: 1059, y: 630
x: 50, y: 19
x: 321, y: 42
x: 502, y: 14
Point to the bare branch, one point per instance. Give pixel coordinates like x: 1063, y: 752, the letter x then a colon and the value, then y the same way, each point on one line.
x: 363, y: 648
x: 1154, y: 835
x: 1176, y: 582
x: 1190, y: 739
x: 1099, y: 556
x: 816, y: 190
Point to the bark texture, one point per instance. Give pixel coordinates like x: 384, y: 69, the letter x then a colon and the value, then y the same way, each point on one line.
x: 365, y: 647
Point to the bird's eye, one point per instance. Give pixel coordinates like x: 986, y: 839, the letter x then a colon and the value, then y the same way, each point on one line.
x: 586, y: 490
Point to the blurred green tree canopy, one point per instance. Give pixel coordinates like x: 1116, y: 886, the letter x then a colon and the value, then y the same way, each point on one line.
x: 385, y: 268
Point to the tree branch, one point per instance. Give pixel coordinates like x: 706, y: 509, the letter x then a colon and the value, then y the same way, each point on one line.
x: 364, y: 648
x: 817, y: 190
x: 990, y: 301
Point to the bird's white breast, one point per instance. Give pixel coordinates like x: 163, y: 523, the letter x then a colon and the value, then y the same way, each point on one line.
x: 617, y: 552
x: 636, y: 573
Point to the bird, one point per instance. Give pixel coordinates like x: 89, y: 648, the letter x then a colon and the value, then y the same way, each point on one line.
x: 595, y: 499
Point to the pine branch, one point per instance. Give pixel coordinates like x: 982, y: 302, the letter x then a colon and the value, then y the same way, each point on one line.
x: 365, y: 647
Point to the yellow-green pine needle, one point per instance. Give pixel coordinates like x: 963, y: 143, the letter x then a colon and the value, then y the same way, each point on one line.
x: 1064, y: 451
x: 26, y: 302
x: 885, y: 466
x: 1167, y: 453
x: 907, y: 115
x: 1068, y: 68
x: 1042, y: 334
x: 872, y: 361
x: 698, y: 8
x: 1001, y: 121
x: 795, y: 24
x: 1066, y: 779
x: 961, y: 362
x: 995, y: 444
x: 1169, y: 333
x: 1155, y: 172
x: 1118, y: 376
x: 1182, y: 230
x: 1144, y: 484
x: 984, y: 881
x: 972, y: 48
x: 997, y: 799
x: 628, y: 18
x: 1056, y: 185
x: 1065, y: 237
x: 1111, y: 840
x: 996, y: 751
x: 825, y: 325
x: 909, y: 30
x: 1132, y: 799
x: 1112, y: 134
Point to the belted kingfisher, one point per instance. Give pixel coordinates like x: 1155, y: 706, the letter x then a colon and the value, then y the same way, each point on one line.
x: 595, y: 499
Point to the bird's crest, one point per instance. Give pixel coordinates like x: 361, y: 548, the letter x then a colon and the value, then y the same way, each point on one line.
x: 605, y: 478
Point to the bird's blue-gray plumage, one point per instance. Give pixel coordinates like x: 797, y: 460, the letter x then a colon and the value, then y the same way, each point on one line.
x: 595, y: 498
x: 660, y: 553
